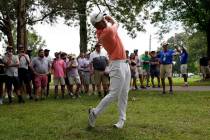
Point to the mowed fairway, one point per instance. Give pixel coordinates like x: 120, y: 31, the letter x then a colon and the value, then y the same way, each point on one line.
x: 150, y: 116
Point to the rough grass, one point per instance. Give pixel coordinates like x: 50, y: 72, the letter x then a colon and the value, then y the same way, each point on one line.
x: 193, y: 81
x: 150, y: 116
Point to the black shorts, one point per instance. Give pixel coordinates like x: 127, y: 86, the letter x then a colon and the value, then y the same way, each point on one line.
x: 24, y: 76
x: 67, y: 81
x: 154, y: 73
x: 49, y: 77
x: 3, y: 79
x: 12, y: 80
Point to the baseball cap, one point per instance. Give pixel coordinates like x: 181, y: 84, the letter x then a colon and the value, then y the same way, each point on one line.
x: 9, y: 47
x: 46, y: 50
x: 96, y: 17
x: 73, y: 55
x: 164, y: 44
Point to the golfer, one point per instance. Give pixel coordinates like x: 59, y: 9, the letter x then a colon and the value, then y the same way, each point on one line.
x: 119, y: 68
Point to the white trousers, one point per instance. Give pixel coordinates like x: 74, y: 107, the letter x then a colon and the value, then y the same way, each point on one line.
x: 119, y: 87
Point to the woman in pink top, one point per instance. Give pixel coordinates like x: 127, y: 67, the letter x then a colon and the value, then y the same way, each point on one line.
x: 119, y: 69
x: 58, y: 67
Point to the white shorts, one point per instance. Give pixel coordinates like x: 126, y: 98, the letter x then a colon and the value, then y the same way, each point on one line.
x: 58, y: 80
x: 183, y: 68
x: 140, y: 70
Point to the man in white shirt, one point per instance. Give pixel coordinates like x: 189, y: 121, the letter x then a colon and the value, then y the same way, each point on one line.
x: 11, y: 62
x: 99, y: 61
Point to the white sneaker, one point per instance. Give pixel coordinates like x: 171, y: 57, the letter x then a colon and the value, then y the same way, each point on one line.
x: 119, y: 124
x: 91, y: 118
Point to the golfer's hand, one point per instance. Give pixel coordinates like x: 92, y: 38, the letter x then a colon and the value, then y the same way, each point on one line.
x: 109, y: 19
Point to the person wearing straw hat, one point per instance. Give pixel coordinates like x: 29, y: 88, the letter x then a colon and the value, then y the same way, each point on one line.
x: 119, y: 68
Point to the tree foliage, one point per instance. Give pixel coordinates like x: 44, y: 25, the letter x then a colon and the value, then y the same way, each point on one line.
x: 127, y: 12
x: 195, y: 45
x: 194, y: 14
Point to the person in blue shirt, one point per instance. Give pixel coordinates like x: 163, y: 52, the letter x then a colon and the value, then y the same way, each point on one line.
x: 183, y: 61
x: 166, y: 59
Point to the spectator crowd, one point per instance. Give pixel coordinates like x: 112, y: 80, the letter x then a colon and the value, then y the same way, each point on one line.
x: 86, y: 74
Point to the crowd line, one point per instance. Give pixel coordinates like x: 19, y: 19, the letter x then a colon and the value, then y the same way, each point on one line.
x: 75, y: 75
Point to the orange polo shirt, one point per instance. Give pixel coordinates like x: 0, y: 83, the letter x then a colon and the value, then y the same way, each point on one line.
x: 111, y: 42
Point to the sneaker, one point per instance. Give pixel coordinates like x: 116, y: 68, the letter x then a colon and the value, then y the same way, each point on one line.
x: 71, y: 94
x: 143, y: 87
x: 91, y: 118
x: 119, y: 124
x: 185, y: 85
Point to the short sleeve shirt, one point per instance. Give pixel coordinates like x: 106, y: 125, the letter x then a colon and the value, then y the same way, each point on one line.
x: 11, y: 71
x: 166, y: 57
x: 24, y: 61
x: 73, y: 71
x: 154, y: 66
x: 145, y: 59
x: 41, y: 65
x: 183, y: 57
x: 59, y: 68
x: 96, y: 54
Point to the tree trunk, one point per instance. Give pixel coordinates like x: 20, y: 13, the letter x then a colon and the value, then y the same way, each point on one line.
x: 9, y: 32
x: 208, y: 47
x: 83, y: 25
x: 208, y: 40
x: 21, y: 24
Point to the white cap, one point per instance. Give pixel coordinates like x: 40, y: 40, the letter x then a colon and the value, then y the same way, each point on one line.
x: 164, y: 43
x: 96, y: 17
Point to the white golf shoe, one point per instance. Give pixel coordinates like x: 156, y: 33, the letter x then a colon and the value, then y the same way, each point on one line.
x: 91, y: 118
x: 119, y: 124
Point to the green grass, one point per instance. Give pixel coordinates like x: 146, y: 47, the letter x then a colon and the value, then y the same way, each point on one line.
x: 150, y: 116
x: 193, y: 81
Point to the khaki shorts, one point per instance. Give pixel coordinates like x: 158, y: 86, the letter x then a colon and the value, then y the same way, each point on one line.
x: 140, y: 70
x: 58, y: 80
x: 86, y: 77
x: 165, y: 70
x: 183, y: 68
x: 74, y: 80
x: 99, y: 77
x: 92, y: 79
x: 204, y: 70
